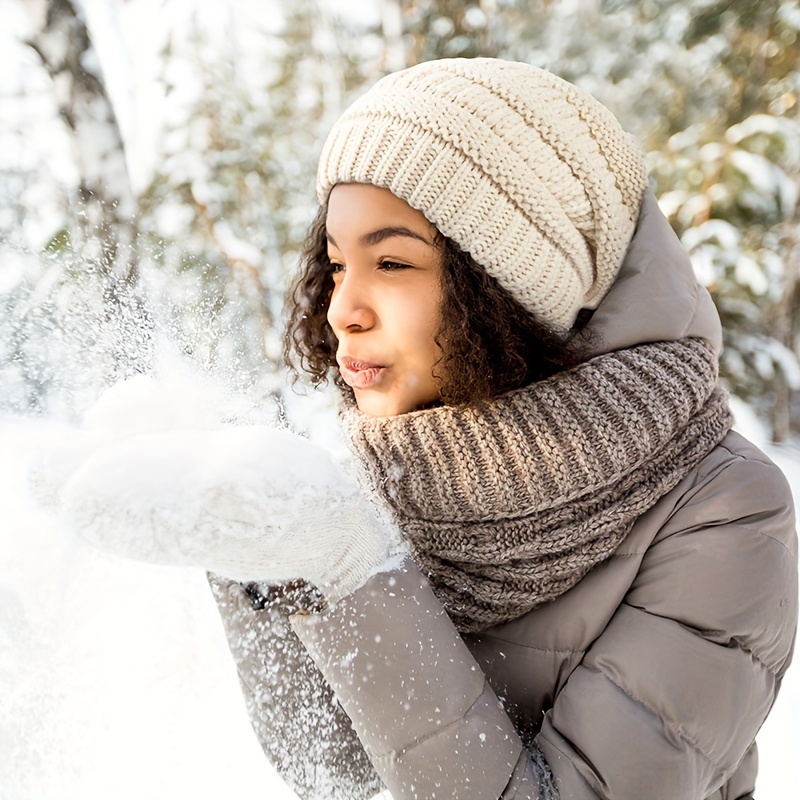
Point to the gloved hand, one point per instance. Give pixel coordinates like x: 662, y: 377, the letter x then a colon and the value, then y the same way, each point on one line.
x: 139, y: 404
x: 249, y: 503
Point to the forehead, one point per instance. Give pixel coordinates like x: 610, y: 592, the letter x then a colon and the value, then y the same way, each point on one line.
x: 358, y: 208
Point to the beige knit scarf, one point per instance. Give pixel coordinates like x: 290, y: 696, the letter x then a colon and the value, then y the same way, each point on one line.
x: 510, y: 504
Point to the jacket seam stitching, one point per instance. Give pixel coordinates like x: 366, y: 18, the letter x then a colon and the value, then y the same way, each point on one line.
x: 766, y: 535
x: 693, y: 316
x: 667, y: 723
x: 556, y: 650
x: 733, y: 524
x: 747, y: 651
x: 567, y: 757
x: 398, y: 754
x: 577, y: 651
x: 702, y: 475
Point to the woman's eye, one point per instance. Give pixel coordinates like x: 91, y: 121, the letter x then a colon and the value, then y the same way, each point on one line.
x: 336, y: 268
x: 391, y: 266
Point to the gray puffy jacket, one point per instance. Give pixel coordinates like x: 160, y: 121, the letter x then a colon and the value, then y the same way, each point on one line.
x: 649, y: 679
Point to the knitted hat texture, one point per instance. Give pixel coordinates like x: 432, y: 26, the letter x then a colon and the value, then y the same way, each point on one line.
x: 530, y: 175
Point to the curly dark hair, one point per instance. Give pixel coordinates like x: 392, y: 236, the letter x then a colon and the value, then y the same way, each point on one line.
x: 490, y: 344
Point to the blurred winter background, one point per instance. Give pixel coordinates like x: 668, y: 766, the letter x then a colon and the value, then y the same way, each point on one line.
x: 156, y: 179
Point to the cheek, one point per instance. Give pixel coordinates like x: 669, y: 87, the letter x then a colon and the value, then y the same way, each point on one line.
x: 329, y: 308
x: 425, y: 340
x: 433, y: 317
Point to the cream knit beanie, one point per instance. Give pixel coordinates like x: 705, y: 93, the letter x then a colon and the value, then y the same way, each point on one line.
x: 531, y: 176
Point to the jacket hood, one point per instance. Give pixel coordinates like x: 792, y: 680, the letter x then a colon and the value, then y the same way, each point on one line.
x: 656, y: 296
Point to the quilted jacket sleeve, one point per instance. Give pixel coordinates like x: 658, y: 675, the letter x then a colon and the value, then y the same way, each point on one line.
x: 300, y: 725
x: 421, y: 705
x: 666, y: 703
x: 673, y: 692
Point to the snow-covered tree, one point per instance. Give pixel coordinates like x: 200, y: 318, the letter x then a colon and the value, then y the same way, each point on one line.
x: 103, y: 226
x: 74, y: 318
x: 233, y: 192
x: 734, y: 202
x: 729, y: 183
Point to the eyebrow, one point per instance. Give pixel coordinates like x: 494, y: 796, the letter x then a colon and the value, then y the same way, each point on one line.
x: 376, y: 237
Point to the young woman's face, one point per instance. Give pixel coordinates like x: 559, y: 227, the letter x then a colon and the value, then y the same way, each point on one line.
x: 384, y: 310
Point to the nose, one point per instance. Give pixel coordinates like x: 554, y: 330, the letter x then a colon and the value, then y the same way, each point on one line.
x: 350, y: 309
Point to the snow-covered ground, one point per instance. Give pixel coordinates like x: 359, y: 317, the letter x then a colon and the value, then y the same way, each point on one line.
x: 115, y: 680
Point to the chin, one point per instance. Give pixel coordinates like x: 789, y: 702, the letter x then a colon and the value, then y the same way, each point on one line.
x: 374, y: 405
x: 379, y: 407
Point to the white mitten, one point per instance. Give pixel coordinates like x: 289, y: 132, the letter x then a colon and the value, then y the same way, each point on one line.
x: 248, y: 503
x: 139, y: 404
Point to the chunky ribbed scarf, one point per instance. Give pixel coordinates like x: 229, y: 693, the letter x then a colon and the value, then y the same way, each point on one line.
x: 509, y: 504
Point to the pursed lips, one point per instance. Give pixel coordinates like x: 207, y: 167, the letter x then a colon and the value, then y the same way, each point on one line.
x: 360, y: 374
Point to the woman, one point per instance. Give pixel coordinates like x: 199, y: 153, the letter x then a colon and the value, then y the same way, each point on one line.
x: 600, y: 597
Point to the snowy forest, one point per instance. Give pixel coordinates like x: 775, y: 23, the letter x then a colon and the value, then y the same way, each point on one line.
x: 156, y: 182
x: 158, y: 158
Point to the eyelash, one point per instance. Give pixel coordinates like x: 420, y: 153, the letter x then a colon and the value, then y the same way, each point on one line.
x: 387, y: 266
x: 392, y: 266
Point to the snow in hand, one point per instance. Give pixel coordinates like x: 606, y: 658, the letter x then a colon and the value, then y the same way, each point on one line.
x: 249, y: 503
x: 205, y: 498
